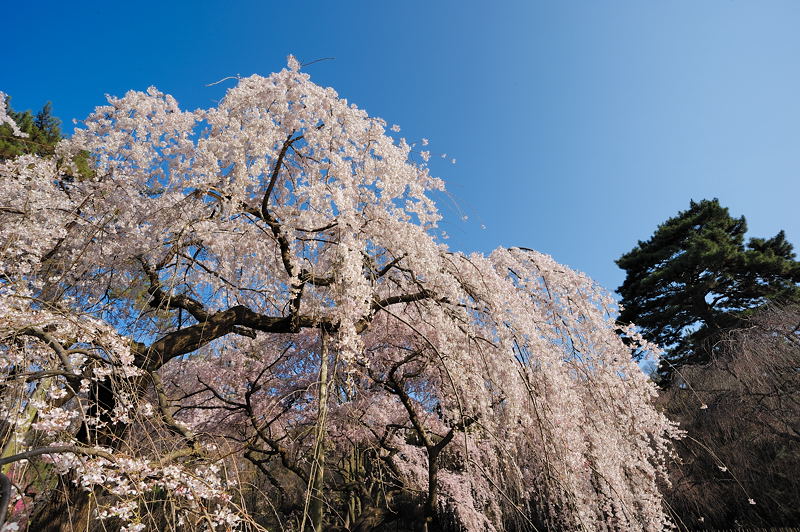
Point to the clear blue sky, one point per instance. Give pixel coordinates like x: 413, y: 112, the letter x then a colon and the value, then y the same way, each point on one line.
x: 577, y: 126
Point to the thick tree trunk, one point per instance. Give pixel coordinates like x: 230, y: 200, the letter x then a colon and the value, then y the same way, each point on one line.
x: 431, y: 502
x: 70, y: 509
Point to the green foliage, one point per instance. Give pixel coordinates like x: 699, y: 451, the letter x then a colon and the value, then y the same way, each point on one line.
x: 695, y: 278
x: 43, y: 131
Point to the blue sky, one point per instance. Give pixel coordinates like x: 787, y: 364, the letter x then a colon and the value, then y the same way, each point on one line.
x: 577, y: 126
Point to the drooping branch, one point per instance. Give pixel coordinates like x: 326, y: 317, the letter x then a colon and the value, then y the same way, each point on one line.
x: 57, y: 449
x: 382, y: 304
x: 70, y: 374
x: 162, y: 299
x: 217, y: 325
x: 168, y: 411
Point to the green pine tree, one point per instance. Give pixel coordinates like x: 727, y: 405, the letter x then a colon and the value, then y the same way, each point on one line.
x: 695, y: 278
x: 43, y: 131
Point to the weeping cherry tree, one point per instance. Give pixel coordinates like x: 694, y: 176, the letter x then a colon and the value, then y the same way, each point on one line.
x: 243, y: 318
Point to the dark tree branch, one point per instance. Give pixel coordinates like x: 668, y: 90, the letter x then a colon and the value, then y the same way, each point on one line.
x: 219, y: 324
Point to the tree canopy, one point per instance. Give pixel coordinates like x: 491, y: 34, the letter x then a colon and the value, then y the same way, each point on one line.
x: 243, y: 318
x: 696, y: 278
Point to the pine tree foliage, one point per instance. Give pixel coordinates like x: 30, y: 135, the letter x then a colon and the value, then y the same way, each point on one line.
x: 39, y: 132
x: 696, y: 278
